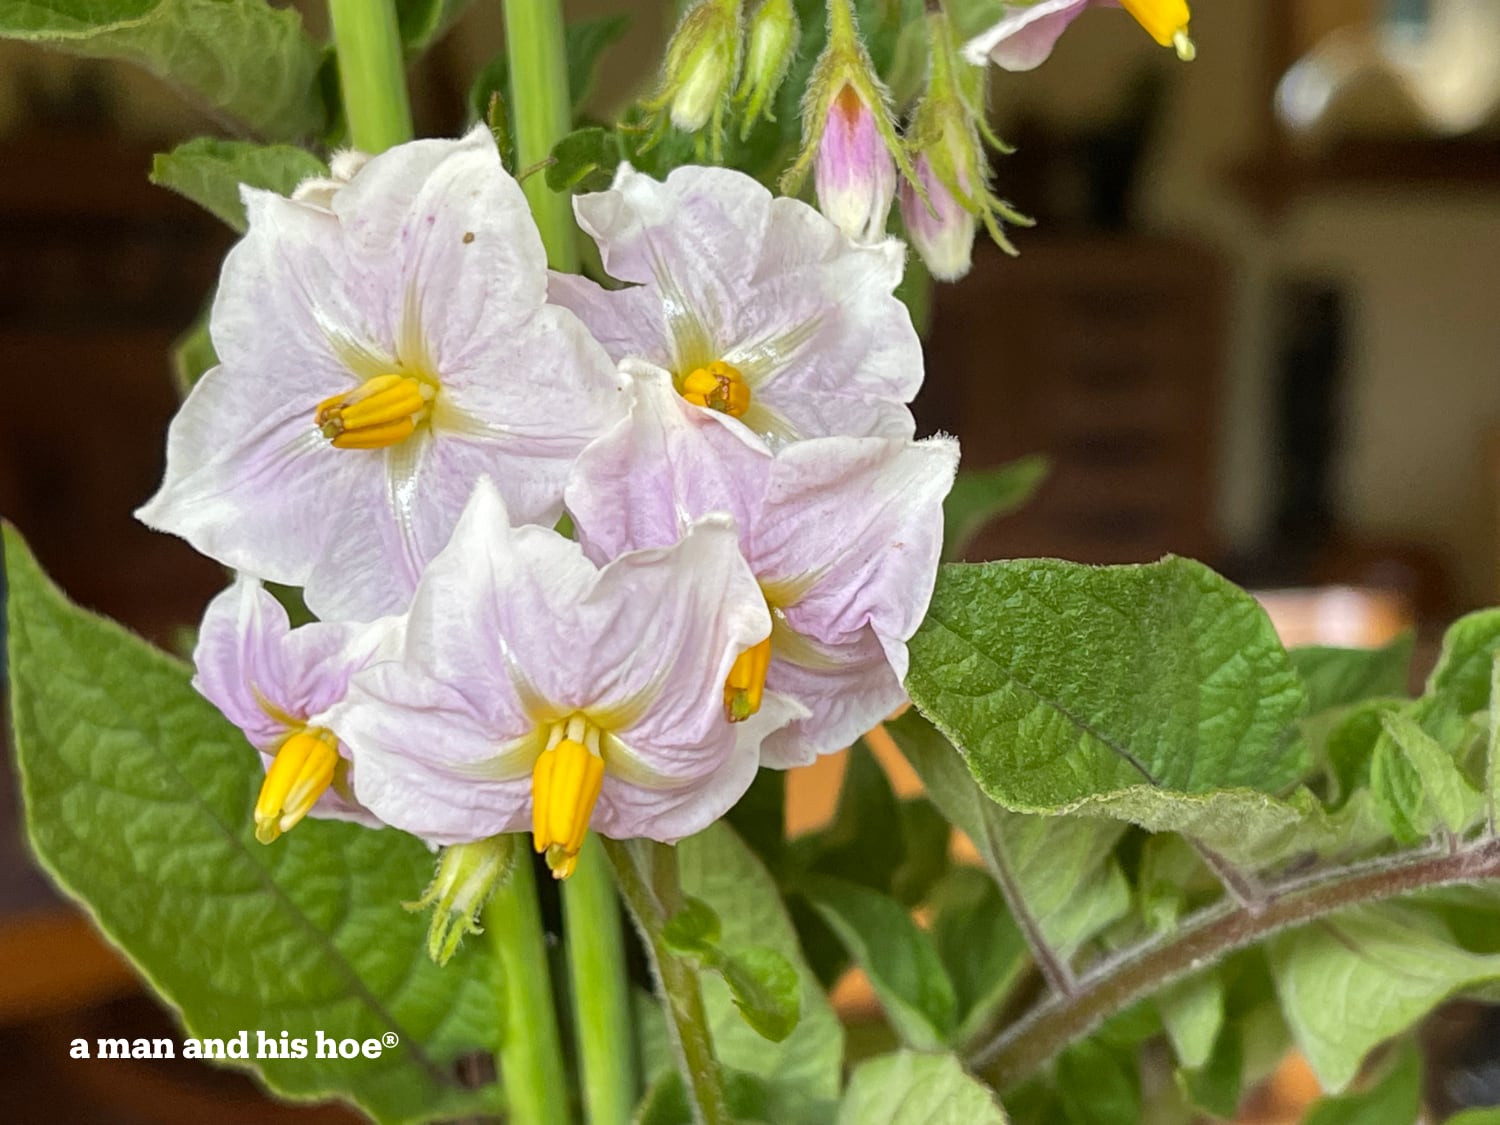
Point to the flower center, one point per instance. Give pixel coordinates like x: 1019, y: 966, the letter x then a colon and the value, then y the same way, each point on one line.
x: 746, y: 682
x: 719, y: 387
x: 379, y: 412
x: 565, y: 784
x: 1166, y: 21
x: 300, y: 773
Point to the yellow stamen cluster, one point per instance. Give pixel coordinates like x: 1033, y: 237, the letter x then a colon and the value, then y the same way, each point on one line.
x: 379, y: 412
x: 1166, y: 21
x: 565, y: 784
x: 300, y: 773
x: 719, y: 387
x: 746, y: 682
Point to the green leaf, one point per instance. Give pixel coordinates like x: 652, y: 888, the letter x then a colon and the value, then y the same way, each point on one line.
x: 1395, y: 781
x: 1338, y: 677
x: 1395, y: 1096
x: 760, y: 814
x: 1483, y: 1116
x: 1061, y: 865
x: 422, y: 22
x: 244, y: 58
x: 1120, y: 691
x: 926, y: 834
x: 979, y: 943
x: 907, y: 1088
x: 210, y: 172
x: 1364, y: 976
x: 765, y: 988
x: 693, y: 931
x: 902, y: 964
x: 1464, y: 666
x: 1216, y: 1086
x: 716, y: 867
x: 585, y: 160
x: 138, y: 798
x: 1168, y: 870
x: 748, y: 1097
x: 1098, y: 1086
x: 982, y: 496
x: 861, y: 843
x: 1448, y: 792
x: 1192, y: 1011
x: 1350, y: 744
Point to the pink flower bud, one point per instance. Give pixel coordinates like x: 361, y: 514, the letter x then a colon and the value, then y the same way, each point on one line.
x: 854, y: 173
x: 944, y: 235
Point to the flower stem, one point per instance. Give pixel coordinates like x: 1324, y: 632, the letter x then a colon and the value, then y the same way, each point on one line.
x: 543, y: 116
x: 601, y: 1005
x: 372, y: 73
x: 530, y: 1056
x: 646, y: 874
x: 1021, y: 1049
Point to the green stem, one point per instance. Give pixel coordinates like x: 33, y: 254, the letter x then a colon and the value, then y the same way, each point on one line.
x: 530, y: 1056
x: 543, y: 116
x: 1022, y: 1048
x: 601, y: 1005
x: 646, y: 874
x: 372, y: 73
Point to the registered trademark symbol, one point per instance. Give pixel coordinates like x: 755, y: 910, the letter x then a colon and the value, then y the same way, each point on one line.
x: 390, y: 1039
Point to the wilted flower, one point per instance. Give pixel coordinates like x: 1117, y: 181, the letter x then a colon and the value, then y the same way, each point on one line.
x: 701, y: 63
x: 277, y: 685
x: 535, y: 690
x: 773, y: 44
x: 761, y: 309
x: 1025, y: 35
x: 376, y: 357
x: 843, y: 536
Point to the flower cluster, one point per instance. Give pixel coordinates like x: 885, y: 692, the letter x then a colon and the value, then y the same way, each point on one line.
x: 405, y: 405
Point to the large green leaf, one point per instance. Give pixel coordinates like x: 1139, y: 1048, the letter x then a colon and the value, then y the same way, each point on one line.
x: 1060, y: 865
x: 210, y: 172
x: 1463, y: 669
x: 903, y: 965
x: 719, y: 869
x: 243, y: 58
x: 1364, y: 976
x: 1119, y: 691
x: 907, y: 1088
x: 138, y: 798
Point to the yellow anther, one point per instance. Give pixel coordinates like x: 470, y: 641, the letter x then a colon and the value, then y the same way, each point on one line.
x: 300, y: 773
x: 379, y: 412
x: 1166, y: 21
x: 718, y: 387
x: 746, y: 682
x: 565, y: 784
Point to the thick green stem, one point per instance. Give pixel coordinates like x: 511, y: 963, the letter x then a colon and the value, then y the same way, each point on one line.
x: 543, y: 116
x: 646, y: 874
x: 1022, y: 1048
x: 601, y: 1005
x: 530, y: 1057
x: 372, y: 73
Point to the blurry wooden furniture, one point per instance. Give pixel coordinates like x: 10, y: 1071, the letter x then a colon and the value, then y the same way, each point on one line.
x: 1104, y: 354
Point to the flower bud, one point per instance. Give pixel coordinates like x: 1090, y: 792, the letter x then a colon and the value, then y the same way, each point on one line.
x: 942, y: 233
x: 854, y: 172
x: 773, y: 43
x: 701, y: 63
x: 467, y: 875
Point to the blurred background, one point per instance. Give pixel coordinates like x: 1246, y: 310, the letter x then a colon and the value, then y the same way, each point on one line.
x: 1258, y: 323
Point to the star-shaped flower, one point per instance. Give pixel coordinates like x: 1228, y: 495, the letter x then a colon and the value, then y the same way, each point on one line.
x: 842, y: 534
x: 379, y: 350
x: 533, y: 689
x: 759, y: 307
